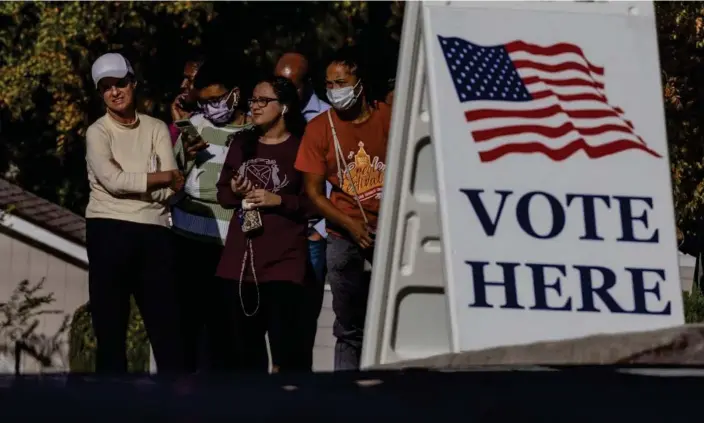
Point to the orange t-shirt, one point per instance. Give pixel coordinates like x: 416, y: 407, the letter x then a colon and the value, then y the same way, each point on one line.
x: 364, y: 149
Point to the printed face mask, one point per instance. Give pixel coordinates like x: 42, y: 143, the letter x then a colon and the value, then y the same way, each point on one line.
x: 220, y: 113
x: 344, y: 98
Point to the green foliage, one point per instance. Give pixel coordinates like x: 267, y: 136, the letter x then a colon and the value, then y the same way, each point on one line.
x: 693, y: 306
x: 681, y: 45
x: 19, y: 319
x: 55, y: 52
x: 82, y: 343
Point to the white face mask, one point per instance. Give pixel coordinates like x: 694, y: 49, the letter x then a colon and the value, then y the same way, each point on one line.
x: 344, y: 98
x: 220, y: 113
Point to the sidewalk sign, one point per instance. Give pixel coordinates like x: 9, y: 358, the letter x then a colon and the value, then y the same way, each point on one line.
x: 542, y: 208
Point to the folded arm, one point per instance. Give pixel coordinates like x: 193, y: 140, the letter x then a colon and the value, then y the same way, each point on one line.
x: 110, y: 174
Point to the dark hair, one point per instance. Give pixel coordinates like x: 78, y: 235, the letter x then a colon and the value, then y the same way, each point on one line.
x: 194, y: 56
x: 228, y: 73
x: 287, y: 95
x: 352, y: 57
x: 217, y: 71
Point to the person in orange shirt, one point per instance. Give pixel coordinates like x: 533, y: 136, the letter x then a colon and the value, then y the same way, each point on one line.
x: 346, y: 146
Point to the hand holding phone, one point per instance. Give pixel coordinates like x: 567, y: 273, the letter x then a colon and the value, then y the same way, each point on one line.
x: 179, y: 110
x: 186, y: 127
x: 192, y: 141
x: 240, y: 185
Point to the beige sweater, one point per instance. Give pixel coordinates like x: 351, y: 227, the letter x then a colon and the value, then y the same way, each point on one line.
x: 119, y: 158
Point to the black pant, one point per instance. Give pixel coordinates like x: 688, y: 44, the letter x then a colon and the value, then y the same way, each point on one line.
x: 203, y: 309
x: 127, y: 258
x: 280, y: 314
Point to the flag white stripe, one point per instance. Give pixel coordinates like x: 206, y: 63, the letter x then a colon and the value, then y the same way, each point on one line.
x: 485, y: 124
x: 556, y: 60
x: 539, y: 104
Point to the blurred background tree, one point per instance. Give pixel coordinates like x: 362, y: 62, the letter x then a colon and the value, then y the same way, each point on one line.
x: 681, y: 44
x: 47, y: 97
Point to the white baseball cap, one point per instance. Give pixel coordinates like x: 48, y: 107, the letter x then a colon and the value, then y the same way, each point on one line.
x: 111, y: 65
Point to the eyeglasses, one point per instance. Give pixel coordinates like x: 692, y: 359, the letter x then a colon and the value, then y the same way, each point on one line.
x: 261, y: 101
x: 121, y: 83
x: 214, y: 102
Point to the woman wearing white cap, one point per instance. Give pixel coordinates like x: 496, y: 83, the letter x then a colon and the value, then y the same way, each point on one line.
x: 132, y: 173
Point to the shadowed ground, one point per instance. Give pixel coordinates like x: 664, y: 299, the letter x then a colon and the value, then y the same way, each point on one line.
x: 587, y: 394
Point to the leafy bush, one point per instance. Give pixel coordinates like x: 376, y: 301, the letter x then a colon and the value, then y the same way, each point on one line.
x: 83, y: 344
x: 19, y: 319
x: 694, y: 306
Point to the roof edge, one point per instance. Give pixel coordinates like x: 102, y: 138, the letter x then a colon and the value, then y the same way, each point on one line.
x: 45, y: 237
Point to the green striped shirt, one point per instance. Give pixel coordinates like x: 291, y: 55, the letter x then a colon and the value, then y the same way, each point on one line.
x: 197, y: 213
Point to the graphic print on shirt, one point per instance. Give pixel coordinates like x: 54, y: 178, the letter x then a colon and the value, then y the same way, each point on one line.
x: 367, y: 174
x: 264, y: 173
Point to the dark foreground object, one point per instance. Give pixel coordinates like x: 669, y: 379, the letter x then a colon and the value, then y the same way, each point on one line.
x: 567, y: 394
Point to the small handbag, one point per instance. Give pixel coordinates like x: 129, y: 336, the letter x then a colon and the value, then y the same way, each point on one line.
x: 250, y: 219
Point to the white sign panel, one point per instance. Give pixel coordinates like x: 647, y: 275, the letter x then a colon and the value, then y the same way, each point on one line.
x: 554, y: 181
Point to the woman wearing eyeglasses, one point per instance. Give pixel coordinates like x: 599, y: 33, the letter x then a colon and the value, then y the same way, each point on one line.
x: 199, y: 222
x: 266, y: 253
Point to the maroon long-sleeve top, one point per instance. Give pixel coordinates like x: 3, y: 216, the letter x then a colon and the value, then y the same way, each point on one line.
x: 280, y: 247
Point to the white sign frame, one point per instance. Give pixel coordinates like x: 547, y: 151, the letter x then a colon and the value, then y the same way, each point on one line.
x: 393, y: 334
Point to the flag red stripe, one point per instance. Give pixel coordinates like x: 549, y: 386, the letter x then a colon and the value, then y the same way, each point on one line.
x: 574, y: 82
x: 580, y: 97
x: 546, y: 131
x: 561, y: 67
x: 559, y: 154
x: 574, y: 97
x: 473, y: 115
x: 553, y: 50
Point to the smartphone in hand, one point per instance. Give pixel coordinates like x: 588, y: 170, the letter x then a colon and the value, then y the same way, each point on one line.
x: 186, y: 127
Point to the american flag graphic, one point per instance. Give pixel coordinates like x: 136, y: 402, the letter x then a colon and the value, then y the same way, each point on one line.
x: 527, y: 99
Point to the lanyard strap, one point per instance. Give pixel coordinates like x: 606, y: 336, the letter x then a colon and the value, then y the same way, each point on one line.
x: 248, y: 252
x: 344, y: 170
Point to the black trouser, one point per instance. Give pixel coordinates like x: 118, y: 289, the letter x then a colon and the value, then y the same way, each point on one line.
x: 127, y: 258
x: 204, y: 314
x: 280, y: 314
